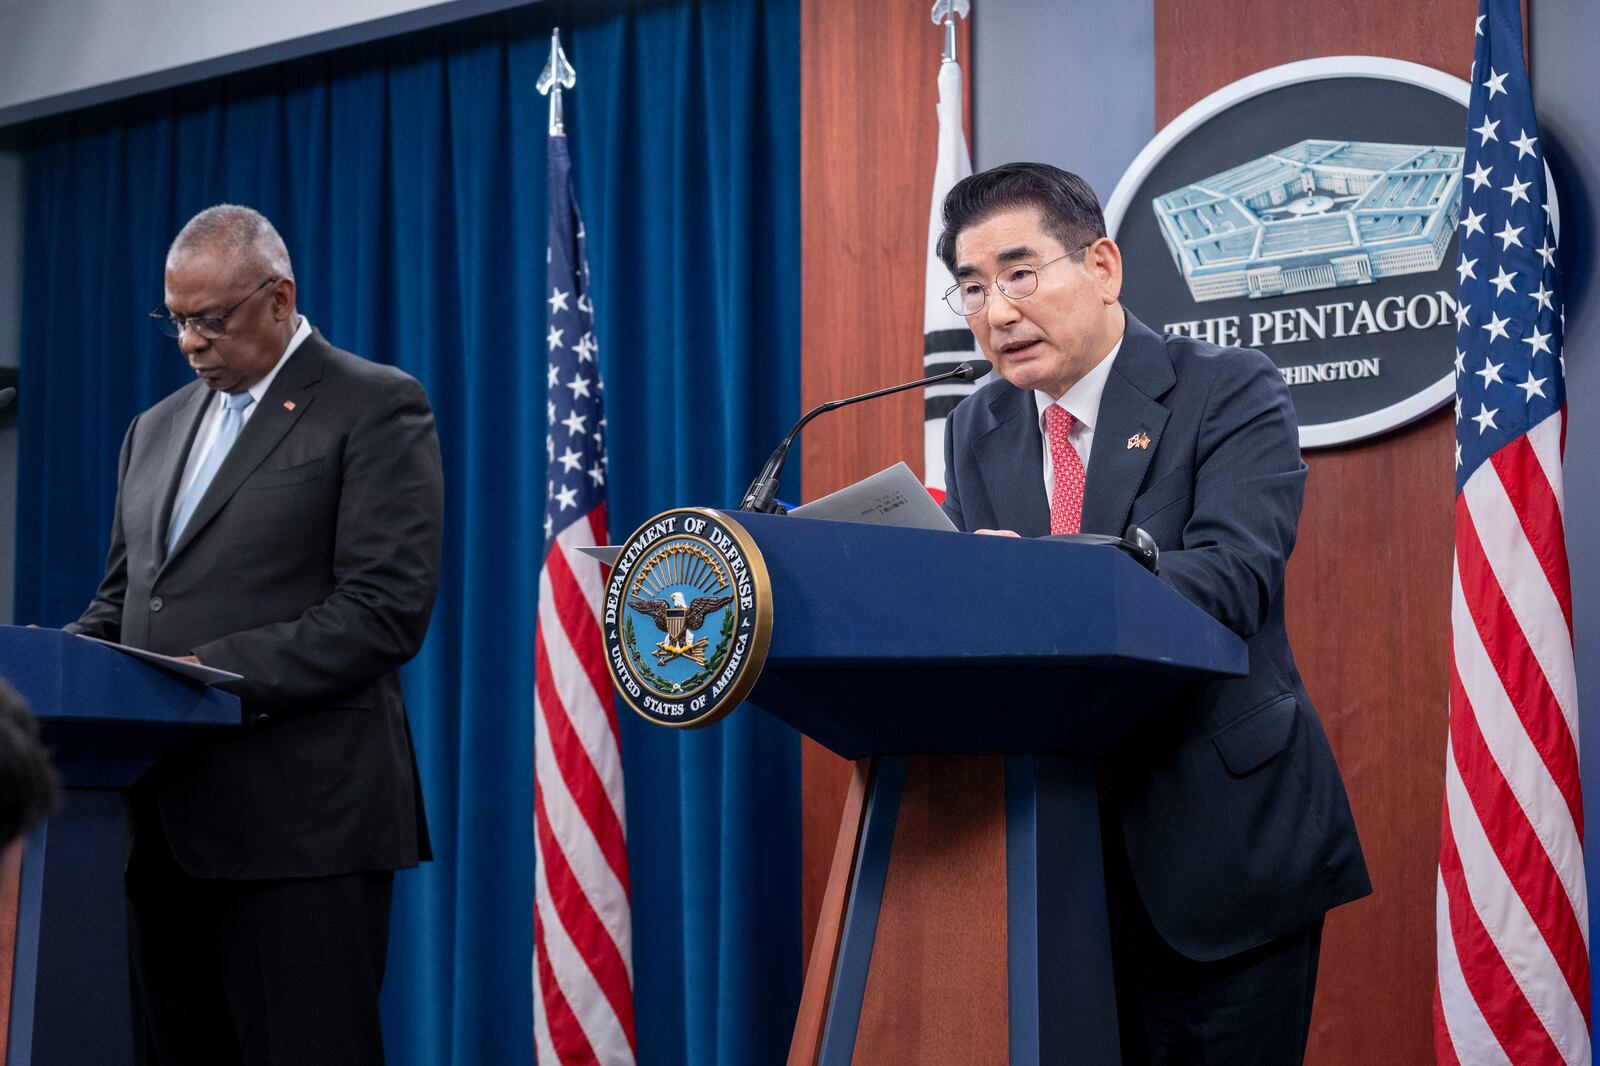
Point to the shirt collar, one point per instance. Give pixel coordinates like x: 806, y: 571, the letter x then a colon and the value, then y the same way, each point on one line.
x: 259, y: 389
x: 1082, y: 401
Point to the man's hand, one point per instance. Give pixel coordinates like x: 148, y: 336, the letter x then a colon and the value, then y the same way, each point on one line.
x: 997, y: 532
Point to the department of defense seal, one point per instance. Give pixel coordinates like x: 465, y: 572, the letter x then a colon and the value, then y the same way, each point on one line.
x: 688, y: 617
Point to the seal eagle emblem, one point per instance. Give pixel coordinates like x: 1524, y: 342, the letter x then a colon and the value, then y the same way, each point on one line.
x: 679, y: 620
x: 687, y: 619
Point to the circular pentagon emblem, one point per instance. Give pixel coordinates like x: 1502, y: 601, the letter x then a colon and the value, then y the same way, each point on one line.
x: 688, y: 617
x: 1311, y: 211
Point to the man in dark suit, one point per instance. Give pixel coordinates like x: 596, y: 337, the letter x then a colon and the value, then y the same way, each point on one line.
x: 1227, y: 833
x: 279, y: 517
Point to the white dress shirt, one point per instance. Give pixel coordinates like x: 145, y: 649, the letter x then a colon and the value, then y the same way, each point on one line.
x: 211, y: 421
x: 1082, y: 402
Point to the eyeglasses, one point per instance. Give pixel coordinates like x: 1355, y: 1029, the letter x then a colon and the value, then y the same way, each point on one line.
x: 211, y: 327
x: 966, y: 298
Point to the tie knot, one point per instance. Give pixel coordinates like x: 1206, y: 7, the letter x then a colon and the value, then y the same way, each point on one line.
x: 238, y: 401
x: 1058, y: 419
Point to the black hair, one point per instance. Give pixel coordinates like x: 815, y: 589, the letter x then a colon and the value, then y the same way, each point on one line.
x: 28, y: 791
x: 1070, y: 208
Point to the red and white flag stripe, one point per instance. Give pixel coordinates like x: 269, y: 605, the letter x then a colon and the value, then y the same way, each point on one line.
x: 583, y: 1004
x: 1512, y: 908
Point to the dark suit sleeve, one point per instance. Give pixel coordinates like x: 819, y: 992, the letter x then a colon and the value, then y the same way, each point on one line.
x: 103, y: 617
x: 386, y: 568
x: 1248, y: 487
x: 952, y: 496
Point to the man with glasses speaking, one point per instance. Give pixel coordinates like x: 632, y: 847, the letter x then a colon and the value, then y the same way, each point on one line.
x: 278, y: 517
x: 1226, y: 831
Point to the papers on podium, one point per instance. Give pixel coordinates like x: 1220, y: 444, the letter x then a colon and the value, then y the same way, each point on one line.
x: 891, y: 497
x: 206, y: 675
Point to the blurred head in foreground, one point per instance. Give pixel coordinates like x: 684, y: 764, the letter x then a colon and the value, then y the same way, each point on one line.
x: 28, y: 791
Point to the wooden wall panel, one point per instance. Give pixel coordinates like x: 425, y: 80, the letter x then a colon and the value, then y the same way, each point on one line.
x: 937, y: 992
x: 811, y: 1020
x: 1202, y: 45
x: 868, y: 139
x: 1369, y: 584
x: 1369, y: 614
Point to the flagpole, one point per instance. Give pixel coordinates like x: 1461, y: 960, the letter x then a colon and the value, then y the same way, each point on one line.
x: 582, y: 972
x: 558, y: 75
x: 945, y: 13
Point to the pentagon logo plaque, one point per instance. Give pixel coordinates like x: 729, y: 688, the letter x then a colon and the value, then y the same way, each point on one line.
x: 1310, y: 211
x: 688, y: 618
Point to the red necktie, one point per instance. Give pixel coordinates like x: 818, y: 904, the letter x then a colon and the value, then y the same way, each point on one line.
x: 1066, y: 471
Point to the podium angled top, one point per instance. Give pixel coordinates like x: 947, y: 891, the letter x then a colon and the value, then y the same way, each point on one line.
x: 844, y: 592
x: 105, y: 716
x: 906, y: 640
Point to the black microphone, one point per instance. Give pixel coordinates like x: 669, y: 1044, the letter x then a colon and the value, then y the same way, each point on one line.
x: 7, y: 394
x: 760, y: 495
x: 1138, y: 544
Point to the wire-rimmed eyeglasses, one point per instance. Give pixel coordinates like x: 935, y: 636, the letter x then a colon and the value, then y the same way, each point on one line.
x: 211, y: 327
x: 1016, y: 282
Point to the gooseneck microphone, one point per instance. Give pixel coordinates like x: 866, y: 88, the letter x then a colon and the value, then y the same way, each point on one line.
x: 762, y: 493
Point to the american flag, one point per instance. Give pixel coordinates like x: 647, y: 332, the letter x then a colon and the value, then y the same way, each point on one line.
x: 582, y: 935
x: 1511, y: 907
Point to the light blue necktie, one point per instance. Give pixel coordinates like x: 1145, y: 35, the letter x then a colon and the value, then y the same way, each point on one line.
x: 227, y: 433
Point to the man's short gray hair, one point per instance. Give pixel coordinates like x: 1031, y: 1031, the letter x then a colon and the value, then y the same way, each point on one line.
x: 241, y: 234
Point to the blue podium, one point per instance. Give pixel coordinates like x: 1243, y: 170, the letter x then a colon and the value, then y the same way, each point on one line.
x: 106, y: 717
x: 974, y: 680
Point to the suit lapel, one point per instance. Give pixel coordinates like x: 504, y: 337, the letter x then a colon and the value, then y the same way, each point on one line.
x: 174, y: 459
x: 283, y: 405
x: 1010, y: 457
x: 1140, y: 376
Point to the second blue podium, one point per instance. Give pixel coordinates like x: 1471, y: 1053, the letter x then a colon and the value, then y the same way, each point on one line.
x: 974, y: 680
x: 106, y: 718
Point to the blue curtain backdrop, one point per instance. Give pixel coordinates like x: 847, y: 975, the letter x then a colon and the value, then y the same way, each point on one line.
x: 408, y: 179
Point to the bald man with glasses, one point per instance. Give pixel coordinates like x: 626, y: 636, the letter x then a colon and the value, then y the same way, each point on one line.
x: 279, y: 517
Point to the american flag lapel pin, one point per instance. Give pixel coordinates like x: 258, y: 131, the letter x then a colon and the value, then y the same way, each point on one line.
x: 1140, y: 440
x: 288, y: 405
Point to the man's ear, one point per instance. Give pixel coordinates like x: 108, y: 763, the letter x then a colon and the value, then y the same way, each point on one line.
x: 283, y: 298
x: 1104, y: 260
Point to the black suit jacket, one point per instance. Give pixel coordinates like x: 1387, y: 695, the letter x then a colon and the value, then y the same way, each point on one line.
x: 1232, y: 809
x: 309, y: 567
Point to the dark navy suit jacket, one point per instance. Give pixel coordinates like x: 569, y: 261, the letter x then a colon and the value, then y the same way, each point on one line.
x: 1232, y: 809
